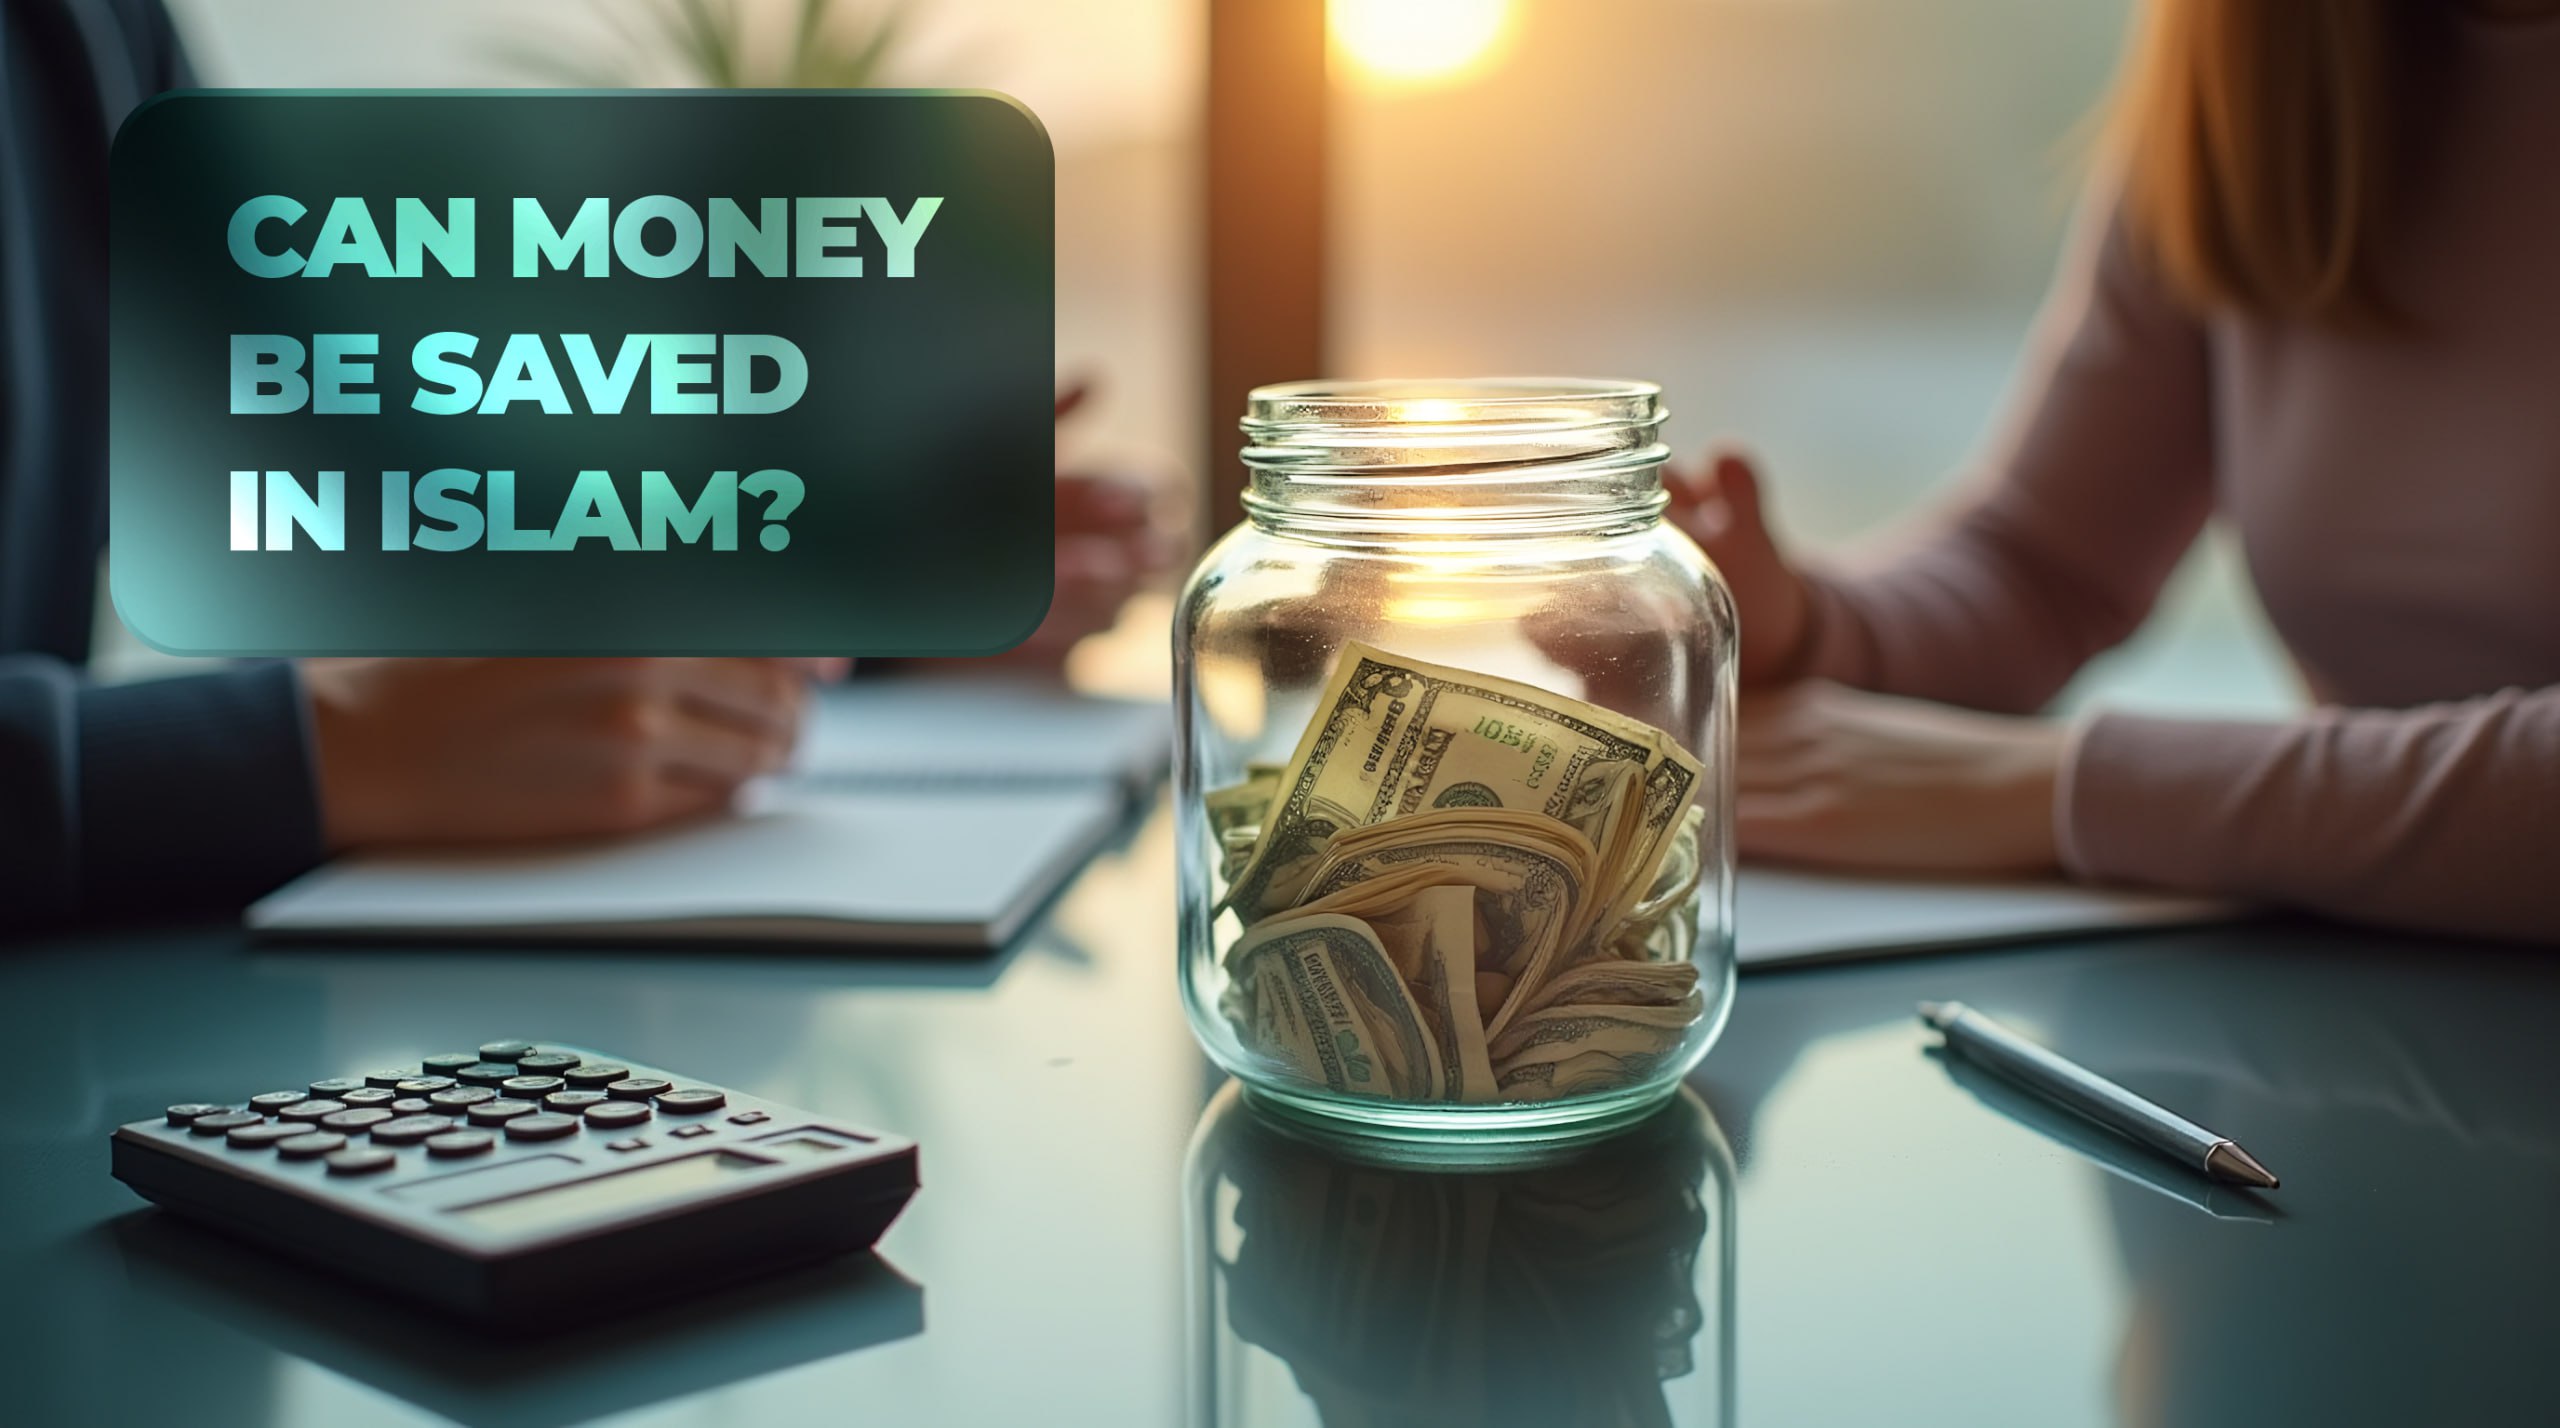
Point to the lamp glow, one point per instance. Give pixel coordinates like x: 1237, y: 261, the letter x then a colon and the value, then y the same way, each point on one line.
x: 1418, y: 40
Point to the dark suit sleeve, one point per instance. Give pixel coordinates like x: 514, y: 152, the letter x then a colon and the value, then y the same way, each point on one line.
x: 156, y: 798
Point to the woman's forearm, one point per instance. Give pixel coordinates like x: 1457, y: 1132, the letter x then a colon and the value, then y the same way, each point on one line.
x: 2444, y: 817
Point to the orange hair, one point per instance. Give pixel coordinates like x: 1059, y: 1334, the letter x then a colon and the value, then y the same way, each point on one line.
x: 2262, y: 141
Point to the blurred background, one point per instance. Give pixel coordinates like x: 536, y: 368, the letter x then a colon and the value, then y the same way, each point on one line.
x: 1822, y: 225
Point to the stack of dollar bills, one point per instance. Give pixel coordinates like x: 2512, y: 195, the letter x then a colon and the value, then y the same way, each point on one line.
x: 1463, y: 889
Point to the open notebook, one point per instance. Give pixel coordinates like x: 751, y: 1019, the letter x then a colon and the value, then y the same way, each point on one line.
x: 923, y: 814
x: 1785, y: 916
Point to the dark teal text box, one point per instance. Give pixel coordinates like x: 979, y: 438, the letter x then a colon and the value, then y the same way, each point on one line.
x: 922, y: 440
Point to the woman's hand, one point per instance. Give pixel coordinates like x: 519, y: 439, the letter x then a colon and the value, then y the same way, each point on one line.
x: 1837, y: 777
x: 1108, y: 549
x: 1719, y: 507
x: 494, y: 750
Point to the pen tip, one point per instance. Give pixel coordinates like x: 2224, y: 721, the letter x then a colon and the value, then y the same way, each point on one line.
x: 1937, y: 1014
x: 2230, y: 1162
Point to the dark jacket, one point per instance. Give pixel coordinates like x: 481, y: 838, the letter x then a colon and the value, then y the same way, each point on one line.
x: 176, y: 795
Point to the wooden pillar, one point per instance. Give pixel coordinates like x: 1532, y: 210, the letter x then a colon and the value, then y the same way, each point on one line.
x: 1265, y: 193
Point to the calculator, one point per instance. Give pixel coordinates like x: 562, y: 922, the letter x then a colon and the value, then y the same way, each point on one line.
x: 524, y: 1184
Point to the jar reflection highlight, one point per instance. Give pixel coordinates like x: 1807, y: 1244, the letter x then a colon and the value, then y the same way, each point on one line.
x: 1348, y: 1283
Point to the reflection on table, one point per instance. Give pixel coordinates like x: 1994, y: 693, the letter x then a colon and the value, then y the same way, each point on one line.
x: 1351, y: 1284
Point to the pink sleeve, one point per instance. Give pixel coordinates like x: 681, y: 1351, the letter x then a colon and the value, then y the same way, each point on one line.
x: 2099, y: 482
x: 2444, y: 817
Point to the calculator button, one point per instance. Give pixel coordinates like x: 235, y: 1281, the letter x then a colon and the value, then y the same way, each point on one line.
x: 360, y: 1160
x: 575, y: 1101
x: 408, y: 1130
x: 460, y: 1142
x: 541, y: 1127
x: 460, y: 1099
x: 262, y: 1135
x: 369, y: 1096
x: 505, y: 1050
x: 617, y: 1113
x: 688, y: 1132
x: 749, y: 1118
x: 387, y: 1078
x: 691, y: 1099
x: 445, y: 1063
x: 270, y: 1102
x: 224, y: 1122
x: 424, y: 1085
x: 595, y: 1075
x: 355, y: 1118
x: 486, y: 1073
x: 532, y: 1087
x: 633, y: 1143
x: 313, y: 1110
x: 546, y: 1063
x: 490, y: 1113
x: 412, y: 1105
x: 335, y: 1084
x: 186, y: 1111
x: 637, y: 1088
x: 309, y: 1144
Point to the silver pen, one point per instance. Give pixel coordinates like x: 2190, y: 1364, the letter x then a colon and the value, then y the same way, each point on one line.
x: 1987, y: 1044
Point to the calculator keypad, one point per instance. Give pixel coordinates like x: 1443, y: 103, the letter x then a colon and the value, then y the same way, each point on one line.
x: 690, y: 1100
x: 409, y: 1130
x: 490, y: 1113
x: 542, y: 1125
x: 457, y: 1106
x: 360, y: 1160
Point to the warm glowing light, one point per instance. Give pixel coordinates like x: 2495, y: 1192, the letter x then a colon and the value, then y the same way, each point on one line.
x: 1419, y: 39
x: 1431, y: 411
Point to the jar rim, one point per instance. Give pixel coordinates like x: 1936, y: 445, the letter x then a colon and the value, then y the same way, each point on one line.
x: 1459, y: 401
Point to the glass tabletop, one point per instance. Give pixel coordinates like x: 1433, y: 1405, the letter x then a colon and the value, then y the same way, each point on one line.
x: 1832, y: 1224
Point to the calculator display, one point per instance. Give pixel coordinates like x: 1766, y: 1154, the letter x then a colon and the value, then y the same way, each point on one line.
x: 581, y: 1199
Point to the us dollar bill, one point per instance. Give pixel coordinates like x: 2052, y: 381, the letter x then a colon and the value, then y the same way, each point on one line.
x: 1319, y: 996
x: 1394, y: 737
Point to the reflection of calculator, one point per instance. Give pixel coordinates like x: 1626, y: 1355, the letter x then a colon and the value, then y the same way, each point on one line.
x: 524, y: 1183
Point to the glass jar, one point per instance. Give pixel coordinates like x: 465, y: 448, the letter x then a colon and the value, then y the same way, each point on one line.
x: 1454, y: 713
x: 1337, y: 1283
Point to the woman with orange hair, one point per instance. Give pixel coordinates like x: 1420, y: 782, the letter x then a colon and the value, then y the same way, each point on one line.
x: 2317, y: 296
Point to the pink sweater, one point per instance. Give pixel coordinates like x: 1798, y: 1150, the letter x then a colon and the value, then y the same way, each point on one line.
x: 2399, y: 502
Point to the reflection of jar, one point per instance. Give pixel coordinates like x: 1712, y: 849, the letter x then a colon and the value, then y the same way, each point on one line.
x: 1452, y: 773
x: 1332, y: 1285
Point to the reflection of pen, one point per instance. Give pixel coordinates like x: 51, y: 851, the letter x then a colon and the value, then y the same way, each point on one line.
x: 2118, y: 1157
x: 1994, y: 1047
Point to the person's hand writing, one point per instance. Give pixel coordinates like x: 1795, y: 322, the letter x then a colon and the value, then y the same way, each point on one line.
x: 1842, y: 778
x: 494, y: 750
x: 1719, y: 507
